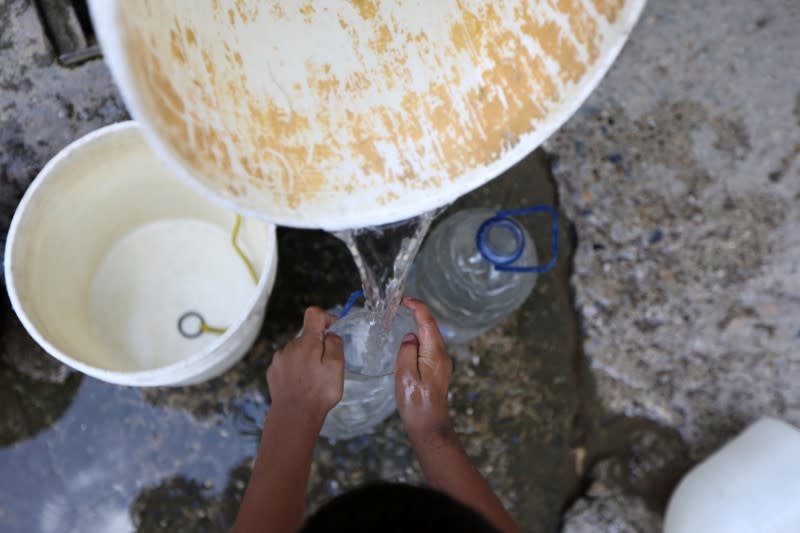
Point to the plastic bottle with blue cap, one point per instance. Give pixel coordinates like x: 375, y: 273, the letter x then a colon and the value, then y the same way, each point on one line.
x: 477, y: 267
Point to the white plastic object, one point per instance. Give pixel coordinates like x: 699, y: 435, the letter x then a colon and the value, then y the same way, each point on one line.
x: 751, y: 485
x: 107, y: 250
x: 345, y: 114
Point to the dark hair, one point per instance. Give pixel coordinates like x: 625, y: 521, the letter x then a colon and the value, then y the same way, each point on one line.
x: 395, y: 507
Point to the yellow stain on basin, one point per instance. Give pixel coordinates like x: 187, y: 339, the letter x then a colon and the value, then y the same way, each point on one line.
x: 283, y: 106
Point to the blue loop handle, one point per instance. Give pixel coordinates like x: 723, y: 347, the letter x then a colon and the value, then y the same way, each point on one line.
x: 504, y: 217
x: 351, y: 301
x: 486, y: 250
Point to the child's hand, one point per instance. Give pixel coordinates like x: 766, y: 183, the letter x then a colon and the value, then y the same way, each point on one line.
x: 307, y: 375
x: 422, y: 377
x: 306, y: 379
x: 421, y: 381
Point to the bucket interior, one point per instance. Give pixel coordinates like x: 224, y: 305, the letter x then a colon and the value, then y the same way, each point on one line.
x: 343, y: 114
x: 111, y: 249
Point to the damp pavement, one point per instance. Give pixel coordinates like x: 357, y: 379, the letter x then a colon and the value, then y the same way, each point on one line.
x: 669, y: 324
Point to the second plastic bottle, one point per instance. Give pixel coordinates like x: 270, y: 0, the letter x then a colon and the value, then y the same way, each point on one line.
x: 457, y: 272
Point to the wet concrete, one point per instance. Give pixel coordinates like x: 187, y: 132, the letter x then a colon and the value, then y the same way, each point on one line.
x: 681, y: 176
x: 171, y: 459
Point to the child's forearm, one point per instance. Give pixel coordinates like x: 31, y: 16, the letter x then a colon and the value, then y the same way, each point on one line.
x: 275, y: 497
x: 447, y: 467
x: 306, y: 379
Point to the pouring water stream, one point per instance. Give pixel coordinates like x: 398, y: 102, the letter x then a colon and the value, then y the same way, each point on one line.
x: 383, y: 256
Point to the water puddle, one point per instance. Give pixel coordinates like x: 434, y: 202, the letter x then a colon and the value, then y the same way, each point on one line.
x: 110, y: 449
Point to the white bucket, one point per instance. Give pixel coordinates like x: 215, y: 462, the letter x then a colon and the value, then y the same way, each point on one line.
x: 107, y: 250
x: 345, y: 114
x: 751, y: 485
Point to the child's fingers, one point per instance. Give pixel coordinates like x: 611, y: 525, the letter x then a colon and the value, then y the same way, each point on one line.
x: 310, y: 343
x: 431, y: 344
x: 329, y: 320
x: 314, y: 322
x: 334, y: 349
x: 407, y: 358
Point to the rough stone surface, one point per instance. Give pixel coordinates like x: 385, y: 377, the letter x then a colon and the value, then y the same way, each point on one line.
x: 606, y: 506
x: 617, y: 513
x: 43, y: 107
x: 608, y: 509
x: 682, y: 178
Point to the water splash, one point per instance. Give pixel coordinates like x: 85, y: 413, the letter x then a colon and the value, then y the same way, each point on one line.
x: 384, y: 255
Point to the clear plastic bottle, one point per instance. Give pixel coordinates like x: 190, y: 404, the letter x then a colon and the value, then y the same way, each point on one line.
x: 459, y: 272
x: 368, y: 397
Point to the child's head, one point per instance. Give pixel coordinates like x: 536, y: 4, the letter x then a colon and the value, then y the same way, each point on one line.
x: 396, y: 508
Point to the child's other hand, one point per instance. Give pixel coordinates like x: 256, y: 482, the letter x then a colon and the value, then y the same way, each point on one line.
x: 307, y: 375
x: 422, y: 377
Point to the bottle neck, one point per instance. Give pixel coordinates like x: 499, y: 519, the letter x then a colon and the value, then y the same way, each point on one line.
x: 500, y: 240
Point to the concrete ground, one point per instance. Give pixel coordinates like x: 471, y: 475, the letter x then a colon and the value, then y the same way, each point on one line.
x: 679, y: 181
x: 681, y: 176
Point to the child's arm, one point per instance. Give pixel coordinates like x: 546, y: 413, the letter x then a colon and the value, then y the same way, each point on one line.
x: 423, y: 375
x: 306, y: 379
